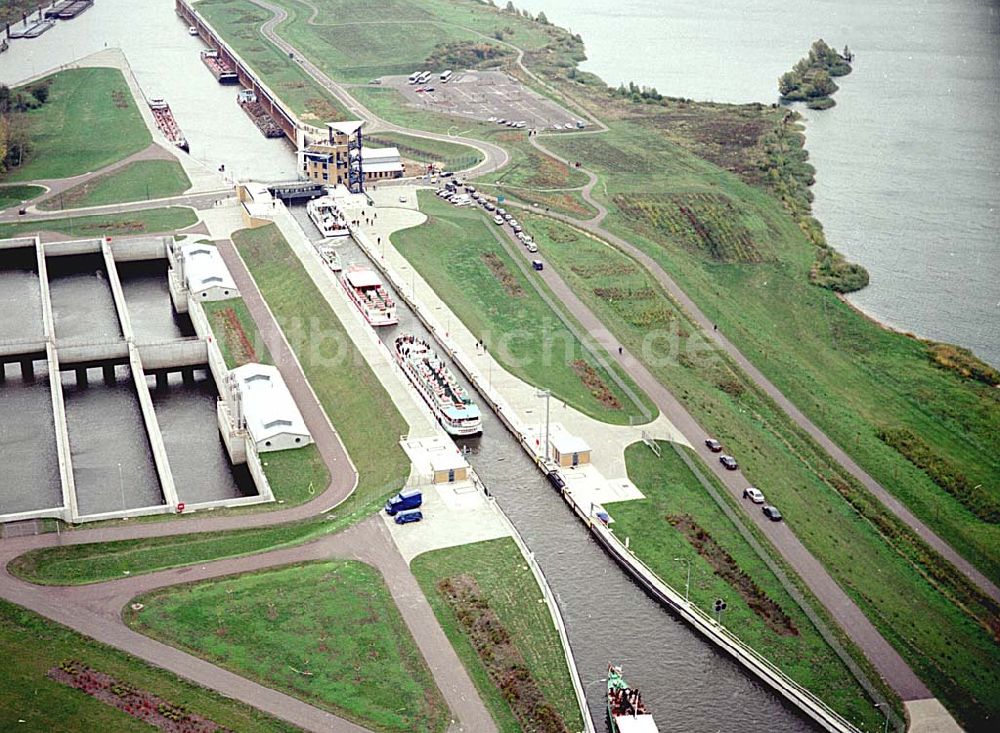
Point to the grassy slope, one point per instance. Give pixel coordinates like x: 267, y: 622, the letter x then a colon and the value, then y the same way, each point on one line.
x: 888, y: 580
x: 147, y: 221
x: 850, y: 376
x: 239, y: 22
x: 509, y: 587
x: 521, y: 332
x: 138, y: 181
x: 334, y: 620
x: 31, y: 645
x: 71, y: 132
x: 12, y: 195
x: 671, y: 488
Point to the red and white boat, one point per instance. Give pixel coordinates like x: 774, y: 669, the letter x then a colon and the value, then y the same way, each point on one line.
x: 367, y: 292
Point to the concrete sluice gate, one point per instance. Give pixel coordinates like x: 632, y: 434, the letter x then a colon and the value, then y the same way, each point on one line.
x: 107, y: 405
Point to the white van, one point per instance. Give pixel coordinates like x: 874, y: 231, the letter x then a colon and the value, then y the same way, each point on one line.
x: 445, y: 76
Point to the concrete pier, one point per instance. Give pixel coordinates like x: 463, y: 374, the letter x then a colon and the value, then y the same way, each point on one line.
x: 81, y: 376
x: 109, y: 375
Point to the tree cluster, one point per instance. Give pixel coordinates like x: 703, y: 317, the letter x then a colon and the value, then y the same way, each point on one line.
x: 15, y: 142
x: 811, y: 79
x: 638, y: 93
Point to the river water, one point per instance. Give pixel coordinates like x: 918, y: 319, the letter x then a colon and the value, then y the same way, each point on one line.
x: 908, y: 166
x: 687, y: 684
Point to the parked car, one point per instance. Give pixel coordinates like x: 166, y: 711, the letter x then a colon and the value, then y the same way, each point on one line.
x: 713, y: 445
x: 531, y: 247
x: 516, y: 228
x: 512, y: 222
x: 729, y: 462
x: 488, y: 206
x: 498, y: 220
x: 753, y: 495
x: 410, y: 515
x: 501, y: 121
x: 502, y: 212
x: 402, y: 199
x: 537, y: 264
x: 771, y: 512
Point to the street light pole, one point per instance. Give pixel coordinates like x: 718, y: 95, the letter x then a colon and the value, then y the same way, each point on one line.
x: 121, y: 484
x: 546, y: 393
x: 687, y: 585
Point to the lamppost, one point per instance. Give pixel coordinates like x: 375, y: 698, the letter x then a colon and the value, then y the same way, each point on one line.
x: 687, y: 585
x: 546, y: 393
x: 720, y: 606
x: 121, y: 484
x: 884, y: 709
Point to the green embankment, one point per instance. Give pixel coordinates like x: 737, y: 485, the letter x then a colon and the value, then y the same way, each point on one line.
x: 90, y: 120
x: 147, y: 221
x: 780, y: 630
x: 509, y: 588
x: 142, y: 180
x: 239, y: 21
x: 904, y: 588
x: 458, y: 252
x: 31, y: 702
x: 349, y: 397
x: 15, y: 195
x: 236, y: 333
x: 328, y: 633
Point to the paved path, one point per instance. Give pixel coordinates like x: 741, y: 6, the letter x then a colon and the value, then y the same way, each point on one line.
x: 95, y: 610
x: 594, y: 226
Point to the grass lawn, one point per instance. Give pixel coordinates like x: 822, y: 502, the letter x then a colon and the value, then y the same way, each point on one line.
x: 907, y: 592
x: 15, y: 195
x: 138, y: 181
x: 296, y: 476
x: 147, y: 221
x: 239, y: 21
x: 29, y: 701
x: 328, y: 633
x: 347, y: 388
x: 451, y: 156
x: 509, y: 588
x: 457, y: 251
x: 236, y: 333
x: 89, y: 121
x: 789, y: 640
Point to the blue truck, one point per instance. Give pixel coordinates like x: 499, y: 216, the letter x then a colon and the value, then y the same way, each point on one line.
x: 405, y: 499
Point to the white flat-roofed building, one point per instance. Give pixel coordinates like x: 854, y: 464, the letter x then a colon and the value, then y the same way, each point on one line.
x: 381, y: 163
x: 205, y: 273
x: 268, y: 411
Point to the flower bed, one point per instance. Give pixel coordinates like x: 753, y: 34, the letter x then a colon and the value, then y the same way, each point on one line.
x: 131, y: 700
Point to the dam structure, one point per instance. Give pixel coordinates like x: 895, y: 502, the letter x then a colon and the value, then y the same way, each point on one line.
x: 108, y: 368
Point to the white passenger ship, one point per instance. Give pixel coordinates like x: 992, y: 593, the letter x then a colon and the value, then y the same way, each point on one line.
x: 327, y: 217
x: 366, y: 290
x: 452, y: 406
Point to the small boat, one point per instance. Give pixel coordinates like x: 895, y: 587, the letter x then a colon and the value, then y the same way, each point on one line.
x: 626, y: 711
x: 367, y: 292
x: 331, y: 258
x: 32, y: 31
x: 451, y: 404
x: 327, y: 217
x: 167, y: 124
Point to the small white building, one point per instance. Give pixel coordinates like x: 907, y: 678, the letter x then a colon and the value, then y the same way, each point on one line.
x: 381, y: 163
x: 205, y: 274
x: 568, y: 450
x: 266, y: 408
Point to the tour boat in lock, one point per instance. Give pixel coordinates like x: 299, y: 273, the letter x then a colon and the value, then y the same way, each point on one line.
x: 327, y: 217
x: 368, y: 294
x: 451, y: 404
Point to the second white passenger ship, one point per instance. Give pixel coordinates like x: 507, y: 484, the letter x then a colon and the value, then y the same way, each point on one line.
x: 368, y: 294
x: 452, y: 406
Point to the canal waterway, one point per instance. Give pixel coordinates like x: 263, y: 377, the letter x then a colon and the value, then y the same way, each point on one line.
x: 908, y: 166
x: 112, y: 461
x: 83, y: 306
x: 166, y: 63
x: 685, y: 681
x: 147, y: 297
x: 20, y: 296
x: 201, y: 468
x: 30, y: 477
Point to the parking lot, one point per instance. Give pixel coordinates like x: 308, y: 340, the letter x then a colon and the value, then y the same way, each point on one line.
x: 480, y: 95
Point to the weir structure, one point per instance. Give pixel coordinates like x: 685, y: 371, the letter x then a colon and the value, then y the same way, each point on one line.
x: 158, y: 358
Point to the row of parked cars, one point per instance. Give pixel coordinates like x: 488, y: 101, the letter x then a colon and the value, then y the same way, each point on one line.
x: 751, y: 492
